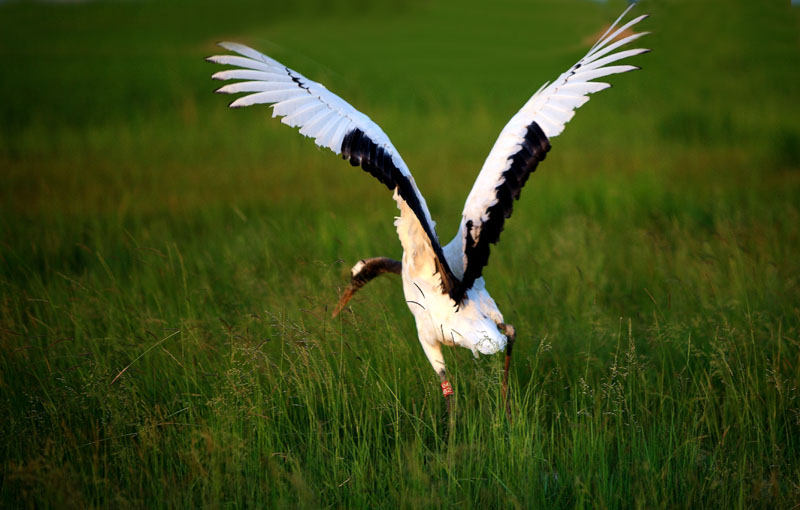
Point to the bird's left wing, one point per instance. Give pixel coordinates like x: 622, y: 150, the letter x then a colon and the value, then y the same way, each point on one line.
x: 332, y: 123
x: 523, y: 143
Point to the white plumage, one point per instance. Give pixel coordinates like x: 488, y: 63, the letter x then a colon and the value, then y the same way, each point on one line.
x: 443, y: 287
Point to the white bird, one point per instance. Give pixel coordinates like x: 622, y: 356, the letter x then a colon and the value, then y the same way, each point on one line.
x: 443, y: 286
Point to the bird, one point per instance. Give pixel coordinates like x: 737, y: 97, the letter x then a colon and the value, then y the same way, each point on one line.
x: 443, y: 285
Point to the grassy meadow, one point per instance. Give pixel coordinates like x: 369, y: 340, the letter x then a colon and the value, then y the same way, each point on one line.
x: 168, y: 265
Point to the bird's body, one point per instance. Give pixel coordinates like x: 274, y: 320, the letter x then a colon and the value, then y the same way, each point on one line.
x: 443, y: 285
x: 471, y: 324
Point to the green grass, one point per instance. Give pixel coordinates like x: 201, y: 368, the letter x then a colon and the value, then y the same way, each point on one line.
x: 167, y: 265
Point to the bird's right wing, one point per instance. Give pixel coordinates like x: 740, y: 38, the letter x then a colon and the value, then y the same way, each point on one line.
x: 524, y: 142
x: 332, y: 123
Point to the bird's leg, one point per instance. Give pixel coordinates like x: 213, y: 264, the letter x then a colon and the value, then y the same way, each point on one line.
x: 511, y: 334
x: 447, y: 390
x: 433, y: 350
x: 361, y: 274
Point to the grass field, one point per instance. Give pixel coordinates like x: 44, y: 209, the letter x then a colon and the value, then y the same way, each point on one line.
x: 167, y: 265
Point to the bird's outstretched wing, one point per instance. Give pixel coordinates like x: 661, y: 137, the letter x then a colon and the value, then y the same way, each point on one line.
x: 524, y: 142
x: 332, y: 123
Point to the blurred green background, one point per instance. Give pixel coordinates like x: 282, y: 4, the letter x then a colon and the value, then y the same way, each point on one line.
x: 651, y: 266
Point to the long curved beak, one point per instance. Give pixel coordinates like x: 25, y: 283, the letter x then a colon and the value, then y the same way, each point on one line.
x: 346, y: 295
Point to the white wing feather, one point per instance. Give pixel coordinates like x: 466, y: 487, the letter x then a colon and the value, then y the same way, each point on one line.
x: 551, y: 107
x: 321, y: 115
x: 303, y: 103
x: 291, y: 94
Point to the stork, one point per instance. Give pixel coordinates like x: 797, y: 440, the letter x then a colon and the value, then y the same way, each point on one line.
x: 443, y: 285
